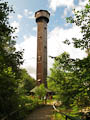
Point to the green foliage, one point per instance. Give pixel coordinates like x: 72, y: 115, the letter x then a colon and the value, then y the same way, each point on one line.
x: 10, y: 61
x: 27, y: 83
x: 82, y: 20
x: 15, y: 83
x: 58, y: 116
x: 72, y: 76
x: 71, y: 80
x: 62, y: 77
x: 41, y: 91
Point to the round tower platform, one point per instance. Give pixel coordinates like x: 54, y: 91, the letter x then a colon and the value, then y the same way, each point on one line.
x: 42, y: 14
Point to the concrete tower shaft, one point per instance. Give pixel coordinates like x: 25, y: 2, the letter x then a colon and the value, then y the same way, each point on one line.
x: 42, y: 18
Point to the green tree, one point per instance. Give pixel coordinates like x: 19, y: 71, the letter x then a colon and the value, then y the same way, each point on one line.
x: 27, y: 82
x: 83, y: 74
x: 40, y: 91
x: 71, y: 80
x: 10, y: 62
x: 62, y: 76
x: 72, y: 76
x: 82, y: 20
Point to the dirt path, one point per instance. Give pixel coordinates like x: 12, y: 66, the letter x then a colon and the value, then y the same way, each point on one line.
x: 43, y: 113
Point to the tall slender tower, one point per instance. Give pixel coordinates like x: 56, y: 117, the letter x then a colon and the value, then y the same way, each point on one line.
x: 42, y: 18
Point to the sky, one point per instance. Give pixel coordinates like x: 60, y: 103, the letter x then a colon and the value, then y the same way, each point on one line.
x: 58, y: 29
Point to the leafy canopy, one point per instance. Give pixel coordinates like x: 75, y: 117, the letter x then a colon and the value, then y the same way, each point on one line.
x: 71, y: 77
